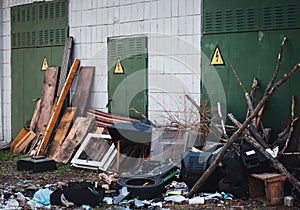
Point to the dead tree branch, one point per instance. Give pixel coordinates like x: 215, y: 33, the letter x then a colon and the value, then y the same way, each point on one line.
x: 253, y: 90
x: 279, y: 58
x: 237, y: 134
x: 289, y: 135
x: 238, y: 79
x: 276, y: 164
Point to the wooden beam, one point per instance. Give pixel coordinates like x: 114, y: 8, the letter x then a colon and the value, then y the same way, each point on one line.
x: 62, y: 130
x: 73, y: 140
x: 58, y: 106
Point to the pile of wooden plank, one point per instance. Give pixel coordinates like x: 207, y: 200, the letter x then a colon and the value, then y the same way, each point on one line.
x: 56, y: 130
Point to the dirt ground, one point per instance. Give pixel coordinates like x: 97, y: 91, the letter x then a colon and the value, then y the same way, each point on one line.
x: 27, y: 182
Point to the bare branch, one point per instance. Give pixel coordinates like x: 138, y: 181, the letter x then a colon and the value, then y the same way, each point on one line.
x: 237, y: 134
x: 276, y: 67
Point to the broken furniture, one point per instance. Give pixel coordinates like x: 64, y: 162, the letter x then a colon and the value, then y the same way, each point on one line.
x: 267, y: 187
x: 135, y: 134
x: 36, y: 164
x: 95, y: 153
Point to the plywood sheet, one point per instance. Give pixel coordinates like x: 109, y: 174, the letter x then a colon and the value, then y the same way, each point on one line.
x: 82, y: 91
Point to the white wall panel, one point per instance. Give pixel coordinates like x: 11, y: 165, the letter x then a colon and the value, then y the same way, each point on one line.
x: 174, y: 35
x: 147, y: 10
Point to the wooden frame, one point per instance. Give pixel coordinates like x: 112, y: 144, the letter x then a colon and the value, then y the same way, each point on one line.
x: 100, y: 153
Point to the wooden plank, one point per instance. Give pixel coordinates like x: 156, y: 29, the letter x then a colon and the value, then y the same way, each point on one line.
x: 64, y: 65
x: 47, y: 98
x: 72, y: 142
x: 18, y: 138
x: 58, y: 106
x: 113, y: 116
x: 23, y: 143
x: 62, y: 131
x: 84, y: 83
x: 35, y: 115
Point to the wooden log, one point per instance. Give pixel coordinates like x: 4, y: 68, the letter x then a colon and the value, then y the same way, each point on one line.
x: 257, y: 136
x: 75, y: 137
x: 62, y: 130
x: 82, y: 92
x: 47, y: 98
x: 58, y: 106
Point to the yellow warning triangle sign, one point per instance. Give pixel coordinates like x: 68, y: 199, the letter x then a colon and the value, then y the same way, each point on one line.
x: 217, y: 58
x: 45, y: 64
x: 118, y: 67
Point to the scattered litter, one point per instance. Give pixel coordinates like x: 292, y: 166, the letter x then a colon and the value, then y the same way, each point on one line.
x: 42, y: 196
x: 86, y: 207
x: 108, y: 200
x: 177, y: 185
x: 174, y: 192
x: 138, y: 203
x: 20, y: 197
x: 34, y: 205
x: 12, y: 203
x: 123, y: 194
x: 273, y: 152
x: 157, y: 204
x: 65, y: 202
x: 107, y: 178
x: 176, y: 198
x: 196, y: 200
x: 213, y: 196
x: 122, y: 208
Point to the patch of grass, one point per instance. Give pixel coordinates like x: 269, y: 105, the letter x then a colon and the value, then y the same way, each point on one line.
x: 7, y: 155
x: 62, y: 168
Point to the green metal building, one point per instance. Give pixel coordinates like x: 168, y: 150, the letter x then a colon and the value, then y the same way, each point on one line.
x: 246, y: 36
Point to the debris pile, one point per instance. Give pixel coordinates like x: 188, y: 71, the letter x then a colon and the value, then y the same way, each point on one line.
x: 145, y: 166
